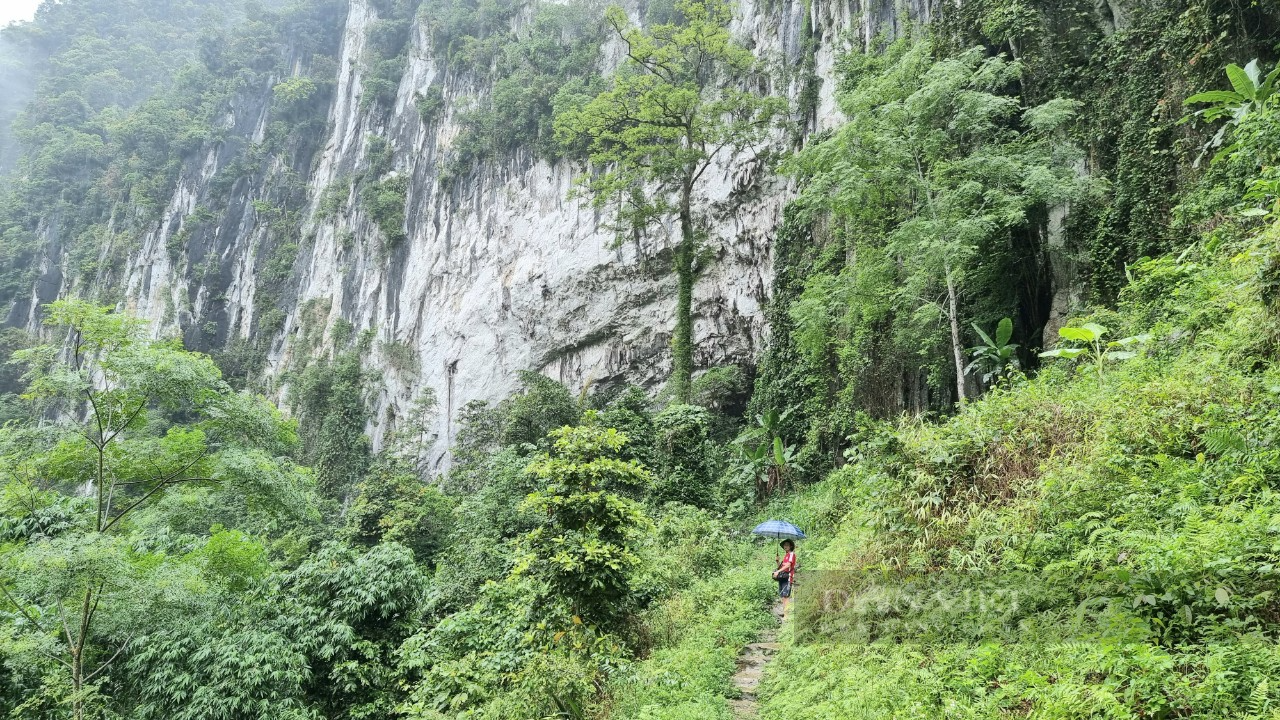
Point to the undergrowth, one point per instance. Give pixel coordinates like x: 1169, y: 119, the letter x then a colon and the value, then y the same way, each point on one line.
x: 1071, y: 545
x: 695, y: 634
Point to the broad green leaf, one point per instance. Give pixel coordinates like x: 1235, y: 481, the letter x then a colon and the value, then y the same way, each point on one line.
x: 1241, y: 81
x: 985, y: 338
x: 1216, y: 96
x: 1120, y: 354
x: 1253, y: 72
x: 1269, y: 85
x: 1098, y: 330
x: 1077, y: 334
x: 1004, y: 331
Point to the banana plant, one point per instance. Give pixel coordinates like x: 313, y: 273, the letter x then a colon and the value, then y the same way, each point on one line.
x: 995, y: 357
x: 765, y: 456
x: 754, y: 465
x: 769, y: 423
x: 1249, y: 92
x: 782, y: 464
x: 1095, y: 346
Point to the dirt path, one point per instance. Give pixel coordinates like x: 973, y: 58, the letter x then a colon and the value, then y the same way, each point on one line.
x: 751, y: 664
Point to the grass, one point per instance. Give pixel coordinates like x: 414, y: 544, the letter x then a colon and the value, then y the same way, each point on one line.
x: 696, y: 636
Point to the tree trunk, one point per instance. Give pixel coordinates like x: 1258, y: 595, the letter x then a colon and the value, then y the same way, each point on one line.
x: 775, y: 479
x: 77, y: 683
x: 682, y: 339
x: 957, y: 350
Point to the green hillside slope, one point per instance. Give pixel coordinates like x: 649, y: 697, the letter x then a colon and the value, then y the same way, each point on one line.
x: 1076, y: 545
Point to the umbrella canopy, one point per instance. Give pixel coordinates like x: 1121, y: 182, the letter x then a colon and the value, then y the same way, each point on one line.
x: 778, y: 529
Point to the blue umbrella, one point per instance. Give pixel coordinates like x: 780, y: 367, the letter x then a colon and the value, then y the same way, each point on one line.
x: 778, y: 529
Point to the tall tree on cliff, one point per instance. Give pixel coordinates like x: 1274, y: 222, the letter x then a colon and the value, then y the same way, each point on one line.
x: 683, y: 95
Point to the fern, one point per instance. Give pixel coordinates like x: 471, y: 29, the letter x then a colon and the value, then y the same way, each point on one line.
x: 1259, y: 701
x: 1225, y: 442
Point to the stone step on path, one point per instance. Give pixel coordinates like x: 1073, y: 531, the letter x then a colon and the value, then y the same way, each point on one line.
x: 751, y: 665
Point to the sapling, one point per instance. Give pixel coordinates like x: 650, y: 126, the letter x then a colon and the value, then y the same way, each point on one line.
x: 1095, y: 345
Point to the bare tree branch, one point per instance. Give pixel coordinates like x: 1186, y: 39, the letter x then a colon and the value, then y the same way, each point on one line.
x: 110, y: 660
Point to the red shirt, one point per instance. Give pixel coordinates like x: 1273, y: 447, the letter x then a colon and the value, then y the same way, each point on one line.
x: 789, y: 561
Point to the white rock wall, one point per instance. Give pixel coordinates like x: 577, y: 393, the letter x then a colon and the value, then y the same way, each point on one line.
x: 504, y: 273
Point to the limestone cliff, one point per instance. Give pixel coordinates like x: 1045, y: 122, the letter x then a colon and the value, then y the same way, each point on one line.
x: 499, y: 270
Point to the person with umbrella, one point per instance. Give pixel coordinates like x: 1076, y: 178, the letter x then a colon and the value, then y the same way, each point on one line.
x: 785, y: 573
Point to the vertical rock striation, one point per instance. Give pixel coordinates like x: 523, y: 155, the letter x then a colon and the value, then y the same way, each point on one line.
x: 499, y: 270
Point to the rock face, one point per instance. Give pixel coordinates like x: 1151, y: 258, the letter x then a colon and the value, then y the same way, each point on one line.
x: 497, y: 273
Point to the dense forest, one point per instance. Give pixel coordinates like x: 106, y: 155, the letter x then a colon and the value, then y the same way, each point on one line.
x: 434, y: 359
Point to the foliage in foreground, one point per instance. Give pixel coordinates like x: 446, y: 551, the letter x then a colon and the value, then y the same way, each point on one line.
x: 1080, y: 544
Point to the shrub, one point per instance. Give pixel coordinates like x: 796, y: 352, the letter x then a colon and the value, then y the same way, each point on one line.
x: 582, y: 549
x: 541, y: 405
x: 686, y: 459
x: 385, y: 202
x: 394, y: 506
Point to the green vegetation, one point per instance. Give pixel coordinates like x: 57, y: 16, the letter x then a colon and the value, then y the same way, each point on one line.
x: 430, y: 103
x: 698, y: 632
x: 383, y: 192
x: 1096, y: 347
x: 388, y: 50
x: 147, y: 475
x: 995, y: 357
x: 1002, y: 524
x: 523, y: 70
x: 208, y: 572
x: 1131, y: 72
x: 1118, y: 527
x: 385, y: 202
x: 329, y: 397
x: 936, y: 166
x: 527, y: 71
x: 1093, y: 541
x: 568, y: 553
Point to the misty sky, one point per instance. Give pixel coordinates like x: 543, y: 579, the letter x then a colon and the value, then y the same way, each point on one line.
x: 11, y: 10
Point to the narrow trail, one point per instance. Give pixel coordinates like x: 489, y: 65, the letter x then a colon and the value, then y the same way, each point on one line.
x: 751, y: 665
